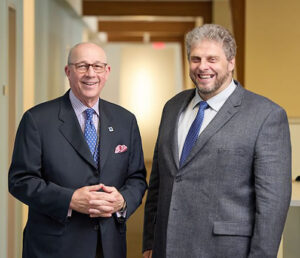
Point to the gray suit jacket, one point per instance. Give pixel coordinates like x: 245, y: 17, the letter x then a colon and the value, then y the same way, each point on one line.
x: 230, y: 198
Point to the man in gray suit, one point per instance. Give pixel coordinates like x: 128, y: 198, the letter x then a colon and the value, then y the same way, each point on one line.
x: 220, y: 185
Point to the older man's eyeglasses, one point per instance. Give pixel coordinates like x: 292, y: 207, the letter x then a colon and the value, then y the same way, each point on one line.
x: 84, y: 67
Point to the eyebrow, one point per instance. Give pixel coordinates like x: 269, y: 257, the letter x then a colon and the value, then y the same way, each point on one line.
x: 96, y: 62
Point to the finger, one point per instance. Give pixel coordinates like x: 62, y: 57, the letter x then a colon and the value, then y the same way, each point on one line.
x: 95, y: 203
x: 101, y: 209
x: 94, y: 187
x: 103, y: 196
x: 103, y: 215
x: 96, y: 213
x: 109, y: 189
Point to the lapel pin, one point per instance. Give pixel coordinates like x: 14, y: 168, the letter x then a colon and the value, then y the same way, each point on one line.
x: 110, y: 129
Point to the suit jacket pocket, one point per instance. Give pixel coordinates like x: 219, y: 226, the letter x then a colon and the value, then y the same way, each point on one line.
x: 232, y: 228
x: 45, y: 225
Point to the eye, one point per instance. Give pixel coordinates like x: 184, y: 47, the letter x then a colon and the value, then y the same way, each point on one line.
x: 213, y: 59
x: 81, y: 66
x: 195, y: 59
x: 98, y: 66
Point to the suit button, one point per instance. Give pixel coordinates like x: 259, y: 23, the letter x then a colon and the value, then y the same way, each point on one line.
x: 96, y: 227
x: 178, y: 178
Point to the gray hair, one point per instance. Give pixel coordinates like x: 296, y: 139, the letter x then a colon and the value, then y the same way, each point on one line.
x: 212, y: 32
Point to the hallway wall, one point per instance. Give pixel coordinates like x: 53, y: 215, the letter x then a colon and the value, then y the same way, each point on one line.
x: 272, y: 51
x: 11, y: 103
x: 51, y: 27
x: 57, y: 29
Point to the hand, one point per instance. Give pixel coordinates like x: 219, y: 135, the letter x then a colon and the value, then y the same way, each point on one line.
x: 147, y: 254
x: 105, y: 203
x: 81, y: 198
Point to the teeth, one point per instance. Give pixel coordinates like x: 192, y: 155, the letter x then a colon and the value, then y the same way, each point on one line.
x: 89, y: 83
x: 205, y: 76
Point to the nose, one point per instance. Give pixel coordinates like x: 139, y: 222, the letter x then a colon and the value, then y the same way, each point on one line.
x: 90, y: 71
x: 203, y: 65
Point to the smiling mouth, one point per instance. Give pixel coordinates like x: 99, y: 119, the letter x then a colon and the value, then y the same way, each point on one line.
x: 205, y: 76
x: 89, y: 83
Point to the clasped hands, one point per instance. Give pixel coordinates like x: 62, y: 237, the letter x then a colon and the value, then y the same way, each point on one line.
x: 89, y: 200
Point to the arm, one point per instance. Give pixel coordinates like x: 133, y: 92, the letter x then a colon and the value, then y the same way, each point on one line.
x: 25, y: 179
x: 135, y: 185
x: 151, y: 206
x: 272, y: 171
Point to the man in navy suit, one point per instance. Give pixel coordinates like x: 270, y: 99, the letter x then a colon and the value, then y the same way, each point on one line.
x: 79, y: 199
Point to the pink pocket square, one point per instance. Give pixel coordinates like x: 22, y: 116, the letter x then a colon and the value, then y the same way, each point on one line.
x: 121, y: 148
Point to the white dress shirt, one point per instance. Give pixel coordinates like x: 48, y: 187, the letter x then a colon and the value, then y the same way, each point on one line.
x: 188, y: 115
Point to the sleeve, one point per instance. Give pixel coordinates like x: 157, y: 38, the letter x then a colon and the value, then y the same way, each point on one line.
x: 25, y: 178
x: 135, y: 186
x: 272, y: 172
x: 151, y: 204
x: 152, y: 197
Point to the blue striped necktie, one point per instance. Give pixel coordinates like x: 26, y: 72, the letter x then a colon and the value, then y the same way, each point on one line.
x: 90, y: 133
x: 193, y: 133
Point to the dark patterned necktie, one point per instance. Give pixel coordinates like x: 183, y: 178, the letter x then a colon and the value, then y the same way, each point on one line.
x: 193, y: 133
x: 90, y: 133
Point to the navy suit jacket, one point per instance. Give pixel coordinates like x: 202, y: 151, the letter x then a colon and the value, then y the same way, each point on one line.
x: 51, y: 159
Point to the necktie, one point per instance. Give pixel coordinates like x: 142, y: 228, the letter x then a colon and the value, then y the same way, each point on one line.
x: 90, y: 133
x: 193, y: 133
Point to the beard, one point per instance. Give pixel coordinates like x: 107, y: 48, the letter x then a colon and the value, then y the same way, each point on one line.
x: 219, y: 82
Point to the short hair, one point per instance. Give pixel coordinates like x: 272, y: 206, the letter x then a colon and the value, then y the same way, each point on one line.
x: 212, y: 32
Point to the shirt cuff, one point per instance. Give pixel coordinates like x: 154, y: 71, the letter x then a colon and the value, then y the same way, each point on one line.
x: 69, y: 213
x: 121, y: 214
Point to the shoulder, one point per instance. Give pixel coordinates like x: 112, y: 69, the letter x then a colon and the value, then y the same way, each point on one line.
x: 114, y: 111
x: 180, y: 99
x: 259, y: 102
x: 45, y: 109
x: 181, y: 96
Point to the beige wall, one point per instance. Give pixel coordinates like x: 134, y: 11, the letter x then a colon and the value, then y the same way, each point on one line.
x: 272, y: 65
x: 272, y: 51
x: 148, y: 80
x: 273, y: 58
x: 222, y: 13
x: 142, y: 80
x: 57, y: 28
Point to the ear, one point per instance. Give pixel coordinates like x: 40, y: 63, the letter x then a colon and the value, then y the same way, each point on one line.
x: 67, y: 70
x: 231, y: 65
x: 108, y: 68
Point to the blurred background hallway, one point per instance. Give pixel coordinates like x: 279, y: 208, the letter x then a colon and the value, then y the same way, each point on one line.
x: 144, y: 42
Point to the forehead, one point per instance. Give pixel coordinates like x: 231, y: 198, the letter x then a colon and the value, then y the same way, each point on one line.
x: 88, y: 53
x: 207, y: 47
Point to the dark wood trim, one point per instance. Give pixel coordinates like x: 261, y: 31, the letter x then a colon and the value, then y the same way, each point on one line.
x: 238, y: 9
x: 149, y: 26
x: 156, y: 8
x: 138, y: 37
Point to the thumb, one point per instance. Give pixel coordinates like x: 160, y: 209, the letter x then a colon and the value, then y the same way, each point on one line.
x: 92, y: 188
x: 108, y: 189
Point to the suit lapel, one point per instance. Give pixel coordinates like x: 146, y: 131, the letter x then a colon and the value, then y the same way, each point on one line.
x: 173, y: 122
x: 71, y: 130
x: 228, y: 110
x: 107, y: 131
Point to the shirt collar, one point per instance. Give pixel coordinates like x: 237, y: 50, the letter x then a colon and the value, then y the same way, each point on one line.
x: 217, y: 101
x: 79, y: 106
